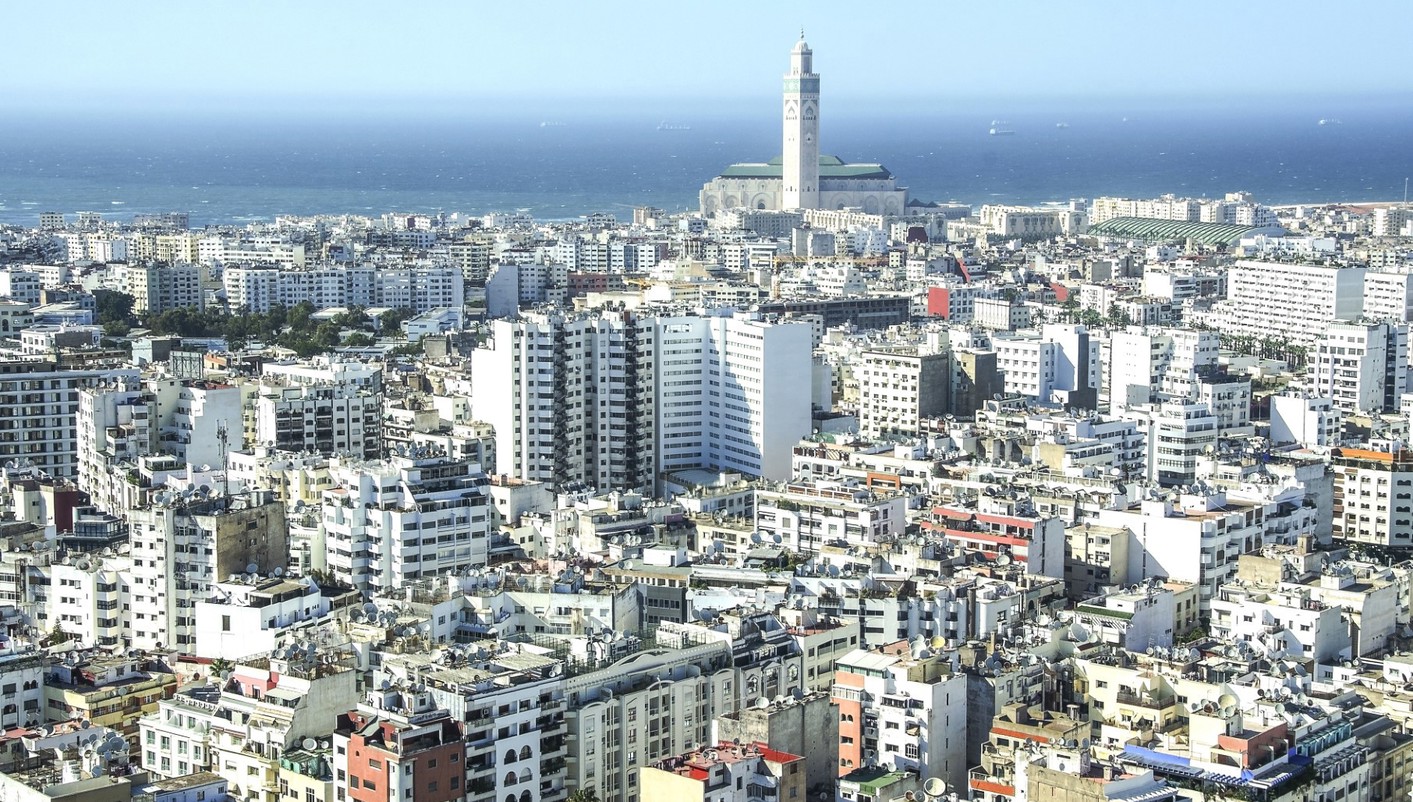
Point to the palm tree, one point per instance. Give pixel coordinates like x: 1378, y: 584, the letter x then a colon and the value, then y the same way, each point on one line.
x: 584, y: 795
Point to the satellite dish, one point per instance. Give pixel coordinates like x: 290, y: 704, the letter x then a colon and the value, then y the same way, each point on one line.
x: 308, y: 743
x: 251, y: 568
x: 1003, y: 560
x: 934, y: 787
x: 279, y: 571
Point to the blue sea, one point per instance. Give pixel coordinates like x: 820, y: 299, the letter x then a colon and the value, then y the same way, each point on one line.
x: 233, y: 170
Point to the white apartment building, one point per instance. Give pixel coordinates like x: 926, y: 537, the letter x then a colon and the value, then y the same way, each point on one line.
x: 326, y: 407
x: 897, y: 389
x: 419, y: 287
x: 1388, y: 296
x: 1373, y: 497
x: 182, y: 545
x: 39, y: 413
x: 1288, y: 301
x: 806, y: 516
x: 1153, y: 364
x: 240, y: 730
x: 1197, y: 537
x: 216, y: 250
x: 122, y: 420
x: 1361, y: 367
x: 20, y: 285
x: 1181, y: 283
x: 1228, y: 398
x: 1120, y: 440
x: 902, y: 710
x: 1288, y: 622
x: 409, y: 517
x: 1059, y: 366
x: 1392, y: 221
x: 88, y: 597
x: 570, y: 398
x: 1309, y: 421
x: 256, y: 616
x: 614, y: 400
x: 657, y: 703
x: 1178, y: 435
x: 158, y: 288
x: 1000, y: 313
x: 1236, y: 208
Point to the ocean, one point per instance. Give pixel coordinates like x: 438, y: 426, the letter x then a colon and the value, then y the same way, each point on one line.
x: 234, y: 171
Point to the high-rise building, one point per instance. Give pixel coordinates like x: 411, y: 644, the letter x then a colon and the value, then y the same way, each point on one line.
x: 902, y: 708
x: 570, y: 398
x: 409, y: 517
x: 182, y: 546
x: 1150, y: 365
x: 897, y: 389
x: 326, y: 407
x: 1287, y: 301
x: 1363, y: 367
x: 614, y: 400
x: 1372, y: 491
x: 39, y: 413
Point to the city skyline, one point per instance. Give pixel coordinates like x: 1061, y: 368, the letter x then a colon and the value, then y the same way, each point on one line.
x: 318, y: 58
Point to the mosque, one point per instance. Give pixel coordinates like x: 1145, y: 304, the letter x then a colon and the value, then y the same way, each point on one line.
x: 801, y: 178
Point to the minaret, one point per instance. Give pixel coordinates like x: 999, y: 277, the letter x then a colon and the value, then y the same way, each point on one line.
x: 799, y: 170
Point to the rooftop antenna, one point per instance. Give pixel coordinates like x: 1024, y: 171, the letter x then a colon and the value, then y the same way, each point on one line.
x: 223, y: 438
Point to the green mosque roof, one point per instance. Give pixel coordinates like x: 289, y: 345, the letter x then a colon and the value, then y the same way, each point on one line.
x: 829, y: 167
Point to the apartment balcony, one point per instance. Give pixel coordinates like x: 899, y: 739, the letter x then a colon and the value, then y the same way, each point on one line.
x: 1146, y: 701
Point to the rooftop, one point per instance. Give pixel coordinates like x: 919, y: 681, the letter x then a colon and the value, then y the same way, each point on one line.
x: 1159, y: 230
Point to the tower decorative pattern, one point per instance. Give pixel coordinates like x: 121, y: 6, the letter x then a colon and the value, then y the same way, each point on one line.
x: 800, y: 156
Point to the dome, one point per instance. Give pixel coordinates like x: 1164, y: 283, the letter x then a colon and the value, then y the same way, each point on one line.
x: 801, y: 46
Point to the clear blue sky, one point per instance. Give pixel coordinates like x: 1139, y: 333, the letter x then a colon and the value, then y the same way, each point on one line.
x: 160, y: 54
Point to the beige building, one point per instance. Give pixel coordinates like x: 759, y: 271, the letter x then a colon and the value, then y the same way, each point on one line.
x: 898, y: 389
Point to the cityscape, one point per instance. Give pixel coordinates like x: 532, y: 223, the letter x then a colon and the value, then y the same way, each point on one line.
x: 815, y: 488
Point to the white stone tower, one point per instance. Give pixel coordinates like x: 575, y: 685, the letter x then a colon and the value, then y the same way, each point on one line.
x: 800, y: 159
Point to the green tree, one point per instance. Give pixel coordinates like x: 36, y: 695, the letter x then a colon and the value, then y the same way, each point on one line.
x: 58, y: 636
x: 355, y: 318
x: 298, y: 316
x: 113, y: 307
x: 394, y: 319
x: 584, y: 795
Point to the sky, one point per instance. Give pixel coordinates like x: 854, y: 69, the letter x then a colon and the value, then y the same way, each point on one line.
x: 287, y: 57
